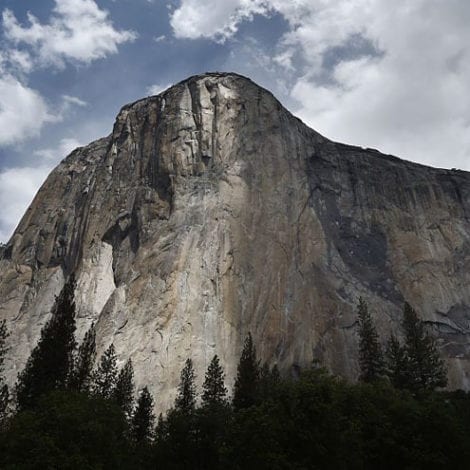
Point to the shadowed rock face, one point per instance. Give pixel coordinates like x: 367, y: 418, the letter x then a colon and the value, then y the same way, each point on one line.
x: 211, y: 211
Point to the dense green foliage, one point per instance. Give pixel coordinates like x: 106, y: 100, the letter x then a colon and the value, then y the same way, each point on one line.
x: 66, y: 430
x: 143, y: 419
x: 123, y: 393
x: 245, y: 393
x: 75, y: 418
x: 186, y: 399
x: 397, y: 363
x: 51, y: 361
x: 82, y: 373
x: 105, y: 376
x: 424, y: 368
x: 314, y: 422
x: 371, y: 358
x: 415, y: 366
x: 214, y: 392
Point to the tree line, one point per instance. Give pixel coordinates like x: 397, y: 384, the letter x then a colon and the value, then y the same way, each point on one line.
x: 414, y: 365
x: 69, y: 413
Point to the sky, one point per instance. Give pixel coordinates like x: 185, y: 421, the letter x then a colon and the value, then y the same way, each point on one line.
x: 389, y: 75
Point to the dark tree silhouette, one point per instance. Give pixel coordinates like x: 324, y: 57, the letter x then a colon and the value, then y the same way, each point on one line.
x: 214, y: 391
x: 105, y: 376
x: 396, y: 362
x: 4, y: 392
x: 247, y: 382
x: 186, y: 398
x: 269, y: 379
x: 49, y: 366
x: 143, y: 418
x: 371, y: 358
x: 81, y: 377
x: 124, y: 391
x: 425, y: 369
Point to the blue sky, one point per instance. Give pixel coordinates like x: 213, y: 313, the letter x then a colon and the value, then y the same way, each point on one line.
x: 391, y: 76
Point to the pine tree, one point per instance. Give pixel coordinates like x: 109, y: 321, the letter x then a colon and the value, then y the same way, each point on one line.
x: 124, y: 390
x: 425, y: 369
x: 396, y: 362
x: 4, y: 392
x: 143, y: 418
x: 371, y: 358
x: 186, y: 399
x: 214, y: 390
x: 81, y: 376
x: 105, y: 377
x: 50, y: 364
x: 269, y: 380
x: 161, y: 430
x: 247, y: 382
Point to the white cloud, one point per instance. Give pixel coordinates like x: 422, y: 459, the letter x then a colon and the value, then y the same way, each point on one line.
x: 157, y: 89
x: 55, y: 154
x: 73, y: 100
x: 17, y: 189
x: 78, y: 31
x: 18, y: 186
x: 213, y: 19
x: 405, y: 93
x: 23, y: 111
x: 408, y: 100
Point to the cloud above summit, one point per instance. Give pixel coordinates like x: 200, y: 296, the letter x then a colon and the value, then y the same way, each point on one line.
x: 393, y: 77
x: 366, y: 72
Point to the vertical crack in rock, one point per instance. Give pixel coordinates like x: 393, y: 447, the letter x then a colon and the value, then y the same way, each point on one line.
x: 211, y: 211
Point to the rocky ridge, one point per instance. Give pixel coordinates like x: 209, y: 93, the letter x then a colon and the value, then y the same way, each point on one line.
x: 211, y: 211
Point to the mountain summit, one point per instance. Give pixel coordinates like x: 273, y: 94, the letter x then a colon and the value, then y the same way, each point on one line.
x: 210, y: 212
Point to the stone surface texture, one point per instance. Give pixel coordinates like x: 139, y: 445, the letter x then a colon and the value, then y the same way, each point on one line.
x: 211, y: 212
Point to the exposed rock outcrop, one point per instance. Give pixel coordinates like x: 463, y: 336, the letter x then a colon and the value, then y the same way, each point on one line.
x: 211, y: 211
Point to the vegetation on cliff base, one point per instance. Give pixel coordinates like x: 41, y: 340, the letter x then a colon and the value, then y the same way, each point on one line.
x: 391, y: 419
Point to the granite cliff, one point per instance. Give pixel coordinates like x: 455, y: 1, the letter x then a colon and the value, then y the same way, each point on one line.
x: 211, y: 211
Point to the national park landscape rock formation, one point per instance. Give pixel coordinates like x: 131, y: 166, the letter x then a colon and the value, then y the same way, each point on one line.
x: 209, y: 212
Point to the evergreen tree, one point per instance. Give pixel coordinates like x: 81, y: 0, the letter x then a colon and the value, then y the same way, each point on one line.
x: 214, y: 391
x: 371, y: 358
x: 105, y: 377
x: 4, y: 392
x: 425, y: 369
x: 143, y: 418
x: 124, y: 391
x: 50, y: 364
x: 269, y: 380
x: 397, y: 363
x: 247, y: 382
x: 186, y: 399
x: 81, y: 376
x: 161, y: 430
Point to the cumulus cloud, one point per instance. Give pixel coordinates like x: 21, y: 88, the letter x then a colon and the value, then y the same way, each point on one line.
x: 78, y: 31
x: 18, y: 186
x: 389, y: 76
x: 17, y: 189
x: 23, y: 111
x: 213, y: 18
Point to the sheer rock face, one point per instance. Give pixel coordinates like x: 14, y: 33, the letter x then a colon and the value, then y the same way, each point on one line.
x: 211, y: 211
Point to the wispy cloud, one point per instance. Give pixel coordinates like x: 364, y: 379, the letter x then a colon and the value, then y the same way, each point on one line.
x: 156, y: 89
